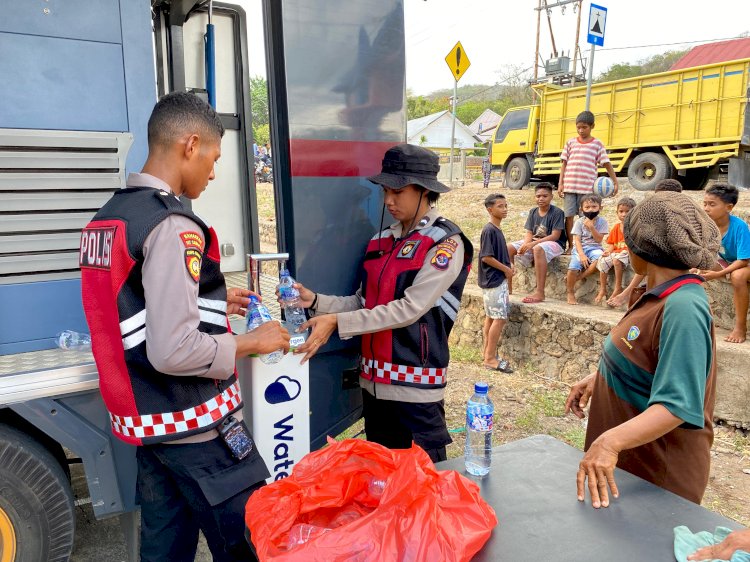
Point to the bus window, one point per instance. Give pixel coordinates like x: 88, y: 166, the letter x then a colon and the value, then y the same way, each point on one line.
x: 513, y: 120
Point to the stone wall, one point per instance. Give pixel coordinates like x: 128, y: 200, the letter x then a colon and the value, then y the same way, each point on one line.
x: 564, y: 342
x: 558, y: 340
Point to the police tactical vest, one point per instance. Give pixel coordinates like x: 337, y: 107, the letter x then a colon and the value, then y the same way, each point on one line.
x: 146, y: 406
x: 415, y: 355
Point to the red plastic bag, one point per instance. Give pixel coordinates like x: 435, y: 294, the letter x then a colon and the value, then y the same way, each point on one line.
x: 356, y: 500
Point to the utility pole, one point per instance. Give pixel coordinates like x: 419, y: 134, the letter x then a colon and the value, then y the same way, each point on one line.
x: 536, y: 53
x: 551, y: 33
x: 575, y: 48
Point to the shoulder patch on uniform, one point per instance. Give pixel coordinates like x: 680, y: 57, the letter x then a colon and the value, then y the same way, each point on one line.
x: 192, y: 239
x: 444, y: 254
x: 408, y: 250
x: 633, y: 333
x: 193, y: 259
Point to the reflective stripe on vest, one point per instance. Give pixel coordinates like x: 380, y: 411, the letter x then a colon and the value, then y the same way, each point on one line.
x: 379, y: 370
x: 170, y: 423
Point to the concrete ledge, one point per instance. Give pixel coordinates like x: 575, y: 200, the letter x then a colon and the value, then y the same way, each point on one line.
x: 720, y: 293
x: 564, y: 342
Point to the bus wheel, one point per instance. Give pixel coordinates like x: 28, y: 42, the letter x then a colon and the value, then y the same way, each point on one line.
x: 36, y: 504
x: 517, y: 173
x: 648, y: 169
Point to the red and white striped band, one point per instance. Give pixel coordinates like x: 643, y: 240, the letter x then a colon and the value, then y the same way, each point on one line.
x: 168, y: 423
x: 403, y: 373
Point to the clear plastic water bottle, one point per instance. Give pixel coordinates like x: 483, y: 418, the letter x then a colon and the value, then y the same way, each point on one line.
x: 293, y: 312
x: 479, y: 413
x: 302, y: 533
x: 73, y: 341
x: 257, y: 314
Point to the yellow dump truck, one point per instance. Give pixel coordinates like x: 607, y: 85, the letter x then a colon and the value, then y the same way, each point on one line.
x: 691, y: 124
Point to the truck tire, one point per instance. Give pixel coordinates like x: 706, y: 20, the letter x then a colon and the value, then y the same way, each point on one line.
x: 647, y: 169
x: 37, y: 522
x: 517, y: 173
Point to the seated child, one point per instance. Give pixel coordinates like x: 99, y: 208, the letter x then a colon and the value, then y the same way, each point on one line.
x: 718, y: 202
x: 588, y: 233
x: 544, y: 239
x: 637, y: 285
x: 616, y: 255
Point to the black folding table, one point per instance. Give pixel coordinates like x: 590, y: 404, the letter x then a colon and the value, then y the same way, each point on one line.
x: 532, y: 487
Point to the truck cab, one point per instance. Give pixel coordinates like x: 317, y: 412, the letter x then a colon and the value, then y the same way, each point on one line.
x: 513, y: 144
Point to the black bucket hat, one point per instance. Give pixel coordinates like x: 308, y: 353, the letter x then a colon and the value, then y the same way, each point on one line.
x: 406, y: 164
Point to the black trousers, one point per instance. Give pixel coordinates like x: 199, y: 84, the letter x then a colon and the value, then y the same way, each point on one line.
x: 396, y: 424
x: 184, y: 488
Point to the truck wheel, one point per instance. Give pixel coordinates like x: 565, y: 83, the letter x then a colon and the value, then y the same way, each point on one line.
x: 517, y: 173
x: 36, y: 504
x: 648, y: 169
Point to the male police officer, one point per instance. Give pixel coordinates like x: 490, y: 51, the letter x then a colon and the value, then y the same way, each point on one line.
x: 414, y: 275
x: 157, y: 304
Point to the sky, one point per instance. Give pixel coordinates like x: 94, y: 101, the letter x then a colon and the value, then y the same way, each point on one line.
x: 498, y: 36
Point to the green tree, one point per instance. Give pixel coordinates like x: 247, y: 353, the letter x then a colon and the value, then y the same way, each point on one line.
x: 261, y: 134
x: 419, y: 106
x: 650, y: 65
x: 259, y: 100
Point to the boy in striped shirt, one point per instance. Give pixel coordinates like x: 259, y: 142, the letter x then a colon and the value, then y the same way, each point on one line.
x: 581, y: 156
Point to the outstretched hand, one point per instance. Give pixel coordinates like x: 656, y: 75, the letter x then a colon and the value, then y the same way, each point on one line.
x: 736, y: 540
x: 322, y: 328
x: 306, y: 296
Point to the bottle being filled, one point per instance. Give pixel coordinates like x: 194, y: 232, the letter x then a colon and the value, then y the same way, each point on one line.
x: 257, y: 314
x: 479, y: 413
x: 289, y: 295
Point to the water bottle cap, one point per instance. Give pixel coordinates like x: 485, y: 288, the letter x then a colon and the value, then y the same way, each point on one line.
x: 254, y: 299
x: 284, y: 271
x: 481, y: 387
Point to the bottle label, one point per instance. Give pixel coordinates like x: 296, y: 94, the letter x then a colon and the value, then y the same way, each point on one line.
x: 477, y: 421
x: 288, y: 293
x: 264, y: 314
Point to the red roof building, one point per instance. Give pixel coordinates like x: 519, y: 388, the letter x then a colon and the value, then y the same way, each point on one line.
x: 710, y: 53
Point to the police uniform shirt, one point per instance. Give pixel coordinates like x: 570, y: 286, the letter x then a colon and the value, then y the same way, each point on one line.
x: 173, y: 343
x: 429, y: 284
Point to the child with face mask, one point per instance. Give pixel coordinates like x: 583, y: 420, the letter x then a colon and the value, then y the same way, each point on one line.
x: 588, y: 233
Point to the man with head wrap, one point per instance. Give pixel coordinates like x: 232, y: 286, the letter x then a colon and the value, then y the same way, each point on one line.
x: 652, y: 398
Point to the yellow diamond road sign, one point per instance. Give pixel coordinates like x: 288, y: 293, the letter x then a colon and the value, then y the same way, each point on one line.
x: 457, y: 61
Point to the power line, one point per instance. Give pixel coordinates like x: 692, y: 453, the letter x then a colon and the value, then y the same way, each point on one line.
x: 668, y: 44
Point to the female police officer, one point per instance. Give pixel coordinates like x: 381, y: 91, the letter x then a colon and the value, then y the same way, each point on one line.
x: 414, y: 275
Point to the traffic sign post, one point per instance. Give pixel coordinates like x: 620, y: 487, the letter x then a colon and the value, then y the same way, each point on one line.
x: 597, y: 23
x: 458, y: 63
